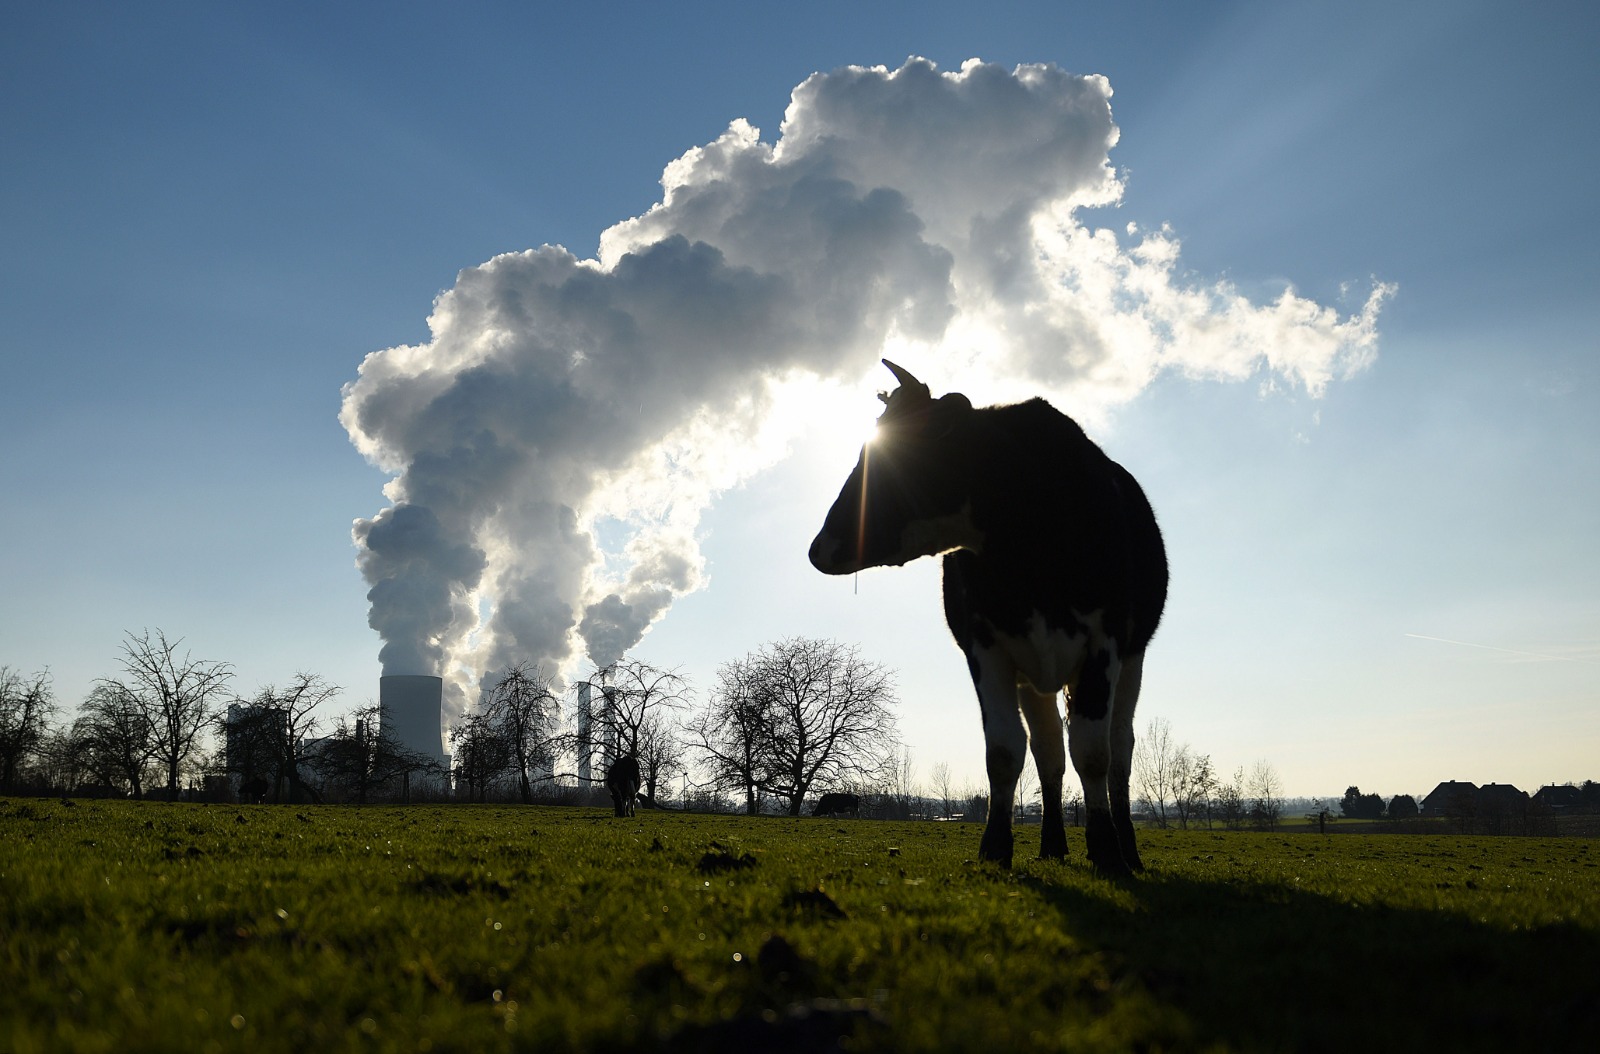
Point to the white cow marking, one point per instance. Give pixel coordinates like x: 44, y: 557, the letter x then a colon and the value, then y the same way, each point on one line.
x: 1052, y: 657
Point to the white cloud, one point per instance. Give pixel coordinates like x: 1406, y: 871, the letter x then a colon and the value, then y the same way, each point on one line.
x: 936, y: 213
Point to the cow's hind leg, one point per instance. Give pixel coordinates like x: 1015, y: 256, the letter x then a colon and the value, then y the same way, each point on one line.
x: 1005, y: 743
x: 1050, y: 758
x: 1089, y: 723
x: 1127, y: 699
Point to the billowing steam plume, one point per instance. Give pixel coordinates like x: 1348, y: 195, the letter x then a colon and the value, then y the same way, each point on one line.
x: 556, y: 441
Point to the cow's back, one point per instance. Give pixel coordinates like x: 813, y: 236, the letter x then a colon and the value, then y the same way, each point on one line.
x: 1066, y: 529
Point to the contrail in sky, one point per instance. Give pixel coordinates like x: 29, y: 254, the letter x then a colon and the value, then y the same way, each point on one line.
x: 1508, y: 651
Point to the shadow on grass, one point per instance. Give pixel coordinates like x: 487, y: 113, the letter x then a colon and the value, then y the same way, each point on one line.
x: 1263, y: 967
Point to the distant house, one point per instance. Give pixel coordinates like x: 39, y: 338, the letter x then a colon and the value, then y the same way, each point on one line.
x: 1559, y: 798
x: 1501, y: 799
x: 1451, y: 798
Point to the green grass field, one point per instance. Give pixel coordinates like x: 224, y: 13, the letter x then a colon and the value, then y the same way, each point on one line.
x: 147, y: 926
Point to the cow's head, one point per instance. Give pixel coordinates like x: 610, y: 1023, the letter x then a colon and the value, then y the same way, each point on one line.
x: 908, y: 495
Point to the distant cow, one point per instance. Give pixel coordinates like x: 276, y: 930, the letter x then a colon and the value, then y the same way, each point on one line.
x: 836, y: 804
x: 1055, y: 577
x: 623, y: 782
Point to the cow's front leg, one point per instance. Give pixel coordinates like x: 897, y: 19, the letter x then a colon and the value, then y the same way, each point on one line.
x: 995, y: 678
x: 1089, y: 740
x: 1050, y: 758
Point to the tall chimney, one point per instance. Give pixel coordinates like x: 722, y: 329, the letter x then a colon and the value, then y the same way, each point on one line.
x: 583, y: 731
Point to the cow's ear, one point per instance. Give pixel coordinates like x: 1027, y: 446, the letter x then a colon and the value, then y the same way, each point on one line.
x: 951, y: 412
x: 954, y: 403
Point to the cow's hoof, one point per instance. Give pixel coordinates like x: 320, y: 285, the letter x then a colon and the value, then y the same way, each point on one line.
x: 1129, y: 845
x: 1105, y: 849
x: 1116, y: 867
x: 995, y: 848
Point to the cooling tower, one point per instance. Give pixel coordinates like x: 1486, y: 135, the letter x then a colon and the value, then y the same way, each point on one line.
x: 413, y: 713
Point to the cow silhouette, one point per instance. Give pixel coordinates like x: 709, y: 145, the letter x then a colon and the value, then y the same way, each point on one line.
x: 835, y: 803
x: 1055, y: 577
x: 622, y: 780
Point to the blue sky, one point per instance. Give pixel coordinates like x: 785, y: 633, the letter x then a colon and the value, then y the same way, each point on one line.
x: 209, y: 215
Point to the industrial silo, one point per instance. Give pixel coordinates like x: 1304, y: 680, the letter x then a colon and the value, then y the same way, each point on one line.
x: 413, y: 713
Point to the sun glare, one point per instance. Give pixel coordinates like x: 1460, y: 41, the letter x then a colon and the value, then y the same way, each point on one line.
x: 851, y: 416
x: 830, y: 414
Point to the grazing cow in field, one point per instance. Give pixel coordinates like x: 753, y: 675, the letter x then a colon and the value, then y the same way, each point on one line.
x: 1054, y: 579
x: 622, y: 780
x: 836, y: 804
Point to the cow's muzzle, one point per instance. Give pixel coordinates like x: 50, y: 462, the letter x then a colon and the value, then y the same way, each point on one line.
x: 831, y: 556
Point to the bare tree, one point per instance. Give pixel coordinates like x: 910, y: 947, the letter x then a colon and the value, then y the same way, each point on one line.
x: 1266, y: 792
x: 628, y: 692
x: 177, y: 696
x: 62, y: 760
x: 900, y: 784
x: 1231, y: 803
x: 277, y: 727
x: 361, y: 757
x: 115, y: 731
x: 977, y: 804
x: 944, y: 788
x: 1193, y: 784
x: 829, y: 717
x: 26, y: 703
x: 660, y: 754
x: 1174, y: 781
x: 1154, y: 758
x: 1027, y: 785
x: 482, y: 754
x: 521, y: 707
x: 731, y: 732
x: 298, y: 701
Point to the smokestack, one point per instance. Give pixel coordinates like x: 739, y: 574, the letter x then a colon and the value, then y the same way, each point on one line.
x: 584, y: 720
x: 412, y: 712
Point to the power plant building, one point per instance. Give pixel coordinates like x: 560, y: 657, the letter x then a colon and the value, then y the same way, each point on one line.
x: 412, y: 713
